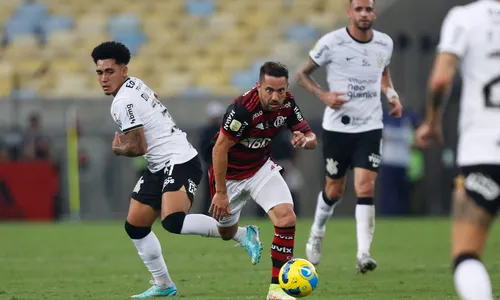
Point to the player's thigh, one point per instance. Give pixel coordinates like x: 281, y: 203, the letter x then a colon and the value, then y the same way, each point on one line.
x: 337, y: 151
x: 180, y: 185
x: 475, y: 205
x: 141, y: 215
x: 367, y: 150
x: 145, y: 205
x: 364, y: 182
x: 276, y: 200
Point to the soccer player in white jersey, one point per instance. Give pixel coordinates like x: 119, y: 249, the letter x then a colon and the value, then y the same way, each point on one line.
x: 470, y: 38
x: 357, y: 65
x: 168, y: 186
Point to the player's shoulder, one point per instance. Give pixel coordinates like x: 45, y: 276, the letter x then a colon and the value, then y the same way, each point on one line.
x: 382, y: 39
x: 334, y: 36
x: 474, y: 13
x: 248, y: 101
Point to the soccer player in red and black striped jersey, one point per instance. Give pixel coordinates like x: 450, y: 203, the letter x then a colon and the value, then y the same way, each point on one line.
x: 243, y: 170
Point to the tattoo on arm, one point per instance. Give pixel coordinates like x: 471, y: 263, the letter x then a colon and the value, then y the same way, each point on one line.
x: 305, y: 79
x: 132, y: 145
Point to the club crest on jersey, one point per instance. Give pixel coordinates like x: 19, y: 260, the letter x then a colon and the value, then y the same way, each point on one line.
x: 280, y: 121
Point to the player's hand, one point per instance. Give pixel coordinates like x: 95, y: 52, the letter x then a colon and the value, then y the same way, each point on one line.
x: 396, y: 107
x: 333, y: 99
x: 428, y: 132
x: 220, y: 206
x: 299, y: 139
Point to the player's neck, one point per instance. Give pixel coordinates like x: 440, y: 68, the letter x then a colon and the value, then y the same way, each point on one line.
x: 362, y: 36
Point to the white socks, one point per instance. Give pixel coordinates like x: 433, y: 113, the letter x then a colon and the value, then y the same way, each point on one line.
x: 201, y: 225
x: 206, y: 226
x: 365, y: 227
x: 322, y: 215
x: 149, y: 249
x: 472, y: 281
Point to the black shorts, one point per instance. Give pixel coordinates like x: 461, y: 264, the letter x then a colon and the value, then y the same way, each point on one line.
x: 482, y: 183
x: 351, y: 150
x: 151, y: 186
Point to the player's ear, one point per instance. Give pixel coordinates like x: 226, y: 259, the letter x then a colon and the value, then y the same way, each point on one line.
x: 125, y: 71
x: 257, y: 84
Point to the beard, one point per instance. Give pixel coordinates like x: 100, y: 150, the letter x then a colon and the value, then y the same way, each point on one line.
x: 364, y: 27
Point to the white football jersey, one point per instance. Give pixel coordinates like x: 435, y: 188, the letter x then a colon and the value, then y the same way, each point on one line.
x: 354, y: 68
x: 136, y: 105
x: 472, y: 32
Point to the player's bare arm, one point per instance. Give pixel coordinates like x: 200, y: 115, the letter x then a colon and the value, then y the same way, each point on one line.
x: 306, y: 141
x: 220, y: 202
x: 130, y: 144
x: 391, y: 94
x: 305, y: 79
x: 441, y: 81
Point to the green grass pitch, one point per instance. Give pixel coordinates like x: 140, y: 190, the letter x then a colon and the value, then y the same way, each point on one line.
x: 98, y: 261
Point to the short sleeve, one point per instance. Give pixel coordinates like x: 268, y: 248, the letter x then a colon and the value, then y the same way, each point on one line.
x: 126, y: 114
x: 453, y: 33
x: 389, y: 51
x: 295, y: 121
x: 236, y: 121
x: 320, y: 54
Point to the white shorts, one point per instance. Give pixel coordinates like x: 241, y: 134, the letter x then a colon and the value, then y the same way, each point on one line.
x: 266, y: 187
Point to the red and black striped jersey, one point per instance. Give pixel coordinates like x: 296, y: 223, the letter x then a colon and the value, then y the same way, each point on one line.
x: 253, y: 129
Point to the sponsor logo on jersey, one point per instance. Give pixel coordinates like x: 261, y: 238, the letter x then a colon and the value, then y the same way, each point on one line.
x: 298, y: 114
x: 320, y: 50
x: 255, y: 143
x: 260, y: 126
x: 257, y: 114
x: 229, y: 118
x: 242, y: 129
x: 130, y: 113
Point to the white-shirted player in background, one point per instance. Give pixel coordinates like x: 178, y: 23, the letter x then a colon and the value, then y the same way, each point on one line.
x: 168, y: 187
x: 357, y: 64
x: 470, y: 38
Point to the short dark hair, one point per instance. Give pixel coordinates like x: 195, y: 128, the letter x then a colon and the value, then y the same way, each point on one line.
x: 112, y: 50
x: 274, y: 69
x: 350, y: 1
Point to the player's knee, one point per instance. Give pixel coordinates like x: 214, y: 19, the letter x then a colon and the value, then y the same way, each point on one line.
x: 464, y: 257
x: 136, y: 233
x: 333, y: 191
x: 173, y: 223
x: 285, y: 217
x: 364, y: 188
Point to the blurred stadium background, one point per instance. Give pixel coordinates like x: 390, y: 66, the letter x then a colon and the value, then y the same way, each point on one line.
x: 198, y: 55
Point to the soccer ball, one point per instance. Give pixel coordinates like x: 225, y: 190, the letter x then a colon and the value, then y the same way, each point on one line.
x: 298, y: 278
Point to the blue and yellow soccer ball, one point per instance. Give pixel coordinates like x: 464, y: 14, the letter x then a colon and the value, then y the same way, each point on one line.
x: 298, y: 278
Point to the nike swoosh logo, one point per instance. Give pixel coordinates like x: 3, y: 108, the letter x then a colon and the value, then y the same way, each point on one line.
x: 349, y: 58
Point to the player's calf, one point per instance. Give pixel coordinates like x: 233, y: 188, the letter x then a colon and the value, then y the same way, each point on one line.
x: 472, y: 216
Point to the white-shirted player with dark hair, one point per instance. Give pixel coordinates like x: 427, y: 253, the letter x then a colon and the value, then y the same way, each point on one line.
x: 470, y: 38
x: 357, y: 60
x: 168, y: 186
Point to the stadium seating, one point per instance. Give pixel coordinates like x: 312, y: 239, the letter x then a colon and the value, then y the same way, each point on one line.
x: 180, y: 47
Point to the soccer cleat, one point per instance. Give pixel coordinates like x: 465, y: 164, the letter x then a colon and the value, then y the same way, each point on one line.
x: 313, y: 248
x: 252, y: 244
x: 157, y: 291
x: 277, y: 293
x: 366, y: 263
